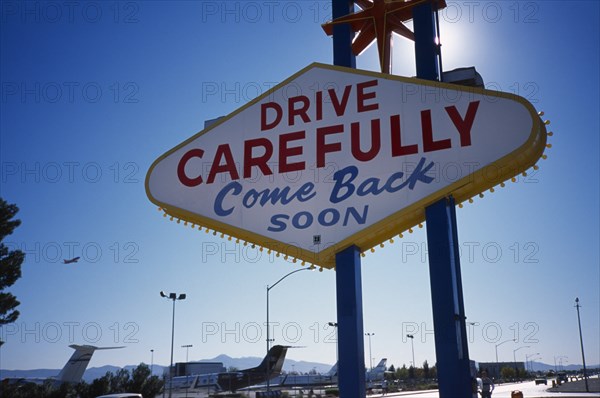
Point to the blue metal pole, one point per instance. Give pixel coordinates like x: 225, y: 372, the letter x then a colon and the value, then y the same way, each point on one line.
x: 426, y: 53
x: 351, y: 362
x: 342, y: 34
x: 454, y: 372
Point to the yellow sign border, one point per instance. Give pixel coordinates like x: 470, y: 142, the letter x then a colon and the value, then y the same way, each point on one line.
x: 481, y: 180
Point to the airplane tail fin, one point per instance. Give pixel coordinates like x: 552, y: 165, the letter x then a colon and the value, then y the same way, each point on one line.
x: 73, y: 370
x: 382, y: 364
x: 378, y: 372
x: 274, y: 359
x: 333, y: 370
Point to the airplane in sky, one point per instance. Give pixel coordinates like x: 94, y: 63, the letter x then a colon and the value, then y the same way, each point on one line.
x: 73, y: 370
x: 71, y: 261
x: 233, y: 381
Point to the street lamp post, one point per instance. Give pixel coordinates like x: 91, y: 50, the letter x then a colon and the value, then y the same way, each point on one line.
x: 412, y: 341
x: 537, y: 358
x: 561, y: 364
x: 187, y: 374
x: 268, y: 332
x: 587, y: 388
x: 370, y: 355
x: 337, y: 347
x: 527, y: 360
x: 472, y: 335
x: 560, y: 358
x: 174, y: 297
x: 515, y: 358
x: 499, y: 344
x: 151, y: 361
x: 1, y: 344
x: 517, y: 349
x: 187, y: 351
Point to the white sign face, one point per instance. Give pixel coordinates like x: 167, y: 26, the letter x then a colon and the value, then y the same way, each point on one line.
x: 334, y: 157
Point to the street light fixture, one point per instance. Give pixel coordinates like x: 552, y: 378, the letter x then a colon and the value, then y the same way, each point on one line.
x: 370, y: 355
x: 527, y: 360
x: 337, y: 347
x: 472, y: 335
x: 517, y: 349
x: 587, y: 388
x: 174, y: 297
x: 560, y: 358
x: 534, y: 359
x: 499, y: 344
x: 412, y: 342
x: 187, y: 374
x: 268, y: 335
x: 151, y: 361
x: 187, y: 350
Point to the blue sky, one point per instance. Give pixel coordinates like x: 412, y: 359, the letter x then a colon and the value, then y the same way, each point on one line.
x: 93, y: 92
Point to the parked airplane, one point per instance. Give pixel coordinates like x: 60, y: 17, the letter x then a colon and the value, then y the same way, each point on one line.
x: 71, y: 261
x: 294, y: 380
x: 233, y: 381
x: 378, y: 372
x: 327, y: 379
x: 73, y: 370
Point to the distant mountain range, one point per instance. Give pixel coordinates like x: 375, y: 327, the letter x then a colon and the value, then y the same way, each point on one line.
x: 239, y: 363
x: 542, y: 367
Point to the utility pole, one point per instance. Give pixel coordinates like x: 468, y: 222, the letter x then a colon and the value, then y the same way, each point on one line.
x: 587, y: 388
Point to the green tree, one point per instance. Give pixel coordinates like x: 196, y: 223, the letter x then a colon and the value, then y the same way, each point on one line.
x: 507, y: 372
x: 119, y: 381
x: 143, y: 382
x: 391, y: 372
x: 402, y: 373
x: 10, y: 264
x: 99, y: 386
x: 426, y: 370
x: 433, y: 372
x: 138, y: 381
x: 139, y: 376
x: 419, y: 373
x: 31, y: 390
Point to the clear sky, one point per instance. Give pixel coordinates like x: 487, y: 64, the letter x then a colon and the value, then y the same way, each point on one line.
x: 93, y: 92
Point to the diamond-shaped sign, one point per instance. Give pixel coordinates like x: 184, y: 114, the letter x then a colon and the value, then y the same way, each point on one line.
x: 334, y: 157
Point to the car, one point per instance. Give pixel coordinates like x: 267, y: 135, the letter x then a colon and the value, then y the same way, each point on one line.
x: 541, y: 380
x: 561, y: 377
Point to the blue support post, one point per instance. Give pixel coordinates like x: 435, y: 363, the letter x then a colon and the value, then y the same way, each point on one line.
x: 426, y: 52
x: 342, y: 35
x: 351, y: 362
x: 348, y: 280
x: 454, y: 372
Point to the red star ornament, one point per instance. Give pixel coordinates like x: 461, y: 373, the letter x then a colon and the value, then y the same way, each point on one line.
x: 376, y: 20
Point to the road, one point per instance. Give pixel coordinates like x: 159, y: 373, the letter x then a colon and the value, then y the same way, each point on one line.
x: 529, y: 390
